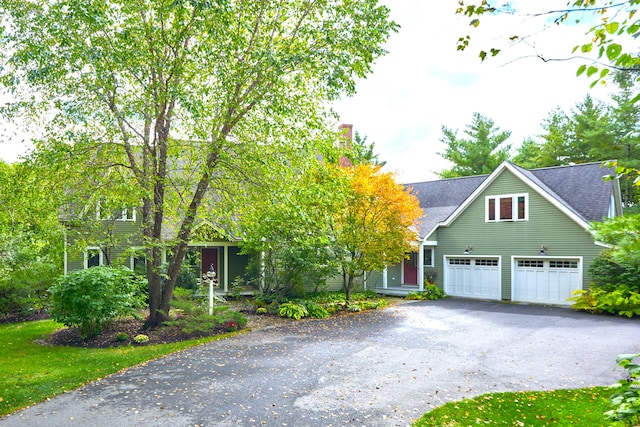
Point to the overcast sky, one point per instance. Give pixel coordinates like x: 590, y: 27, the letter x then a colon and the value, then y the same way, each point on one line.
x: 424, y: 83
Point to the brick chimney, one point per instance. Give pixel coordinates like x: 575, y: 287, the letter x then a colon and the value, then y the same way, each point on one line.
x: 347, y: 136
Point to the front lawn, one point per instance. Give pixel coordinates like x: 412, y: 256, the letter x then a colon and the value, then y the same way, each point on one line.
x: 31, y: 371
x: 579, y: 407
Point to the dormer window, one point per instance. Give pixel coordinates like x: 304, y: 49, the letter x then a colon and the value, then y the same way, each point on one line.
x: 511, y: 207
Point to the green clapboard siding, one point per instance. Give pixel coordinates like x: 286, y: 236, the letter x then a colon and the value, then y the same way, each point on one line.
x: 546, y: 225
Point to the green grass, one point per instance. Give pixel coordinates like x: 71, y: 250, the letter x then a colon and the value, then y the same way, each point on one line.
x: 579, y: 407
x: 31, y: 372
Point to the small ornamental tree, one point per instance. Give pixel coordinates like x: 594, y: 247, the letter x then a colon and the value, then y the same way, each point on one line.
x: 375, y: 225
x: 90, y: 299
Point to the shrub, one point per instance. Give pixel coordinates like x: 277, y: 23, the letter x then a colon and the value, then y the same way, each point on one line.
x: 89, y: 299
x: 430, y: 276
x: 622, y: 301
x: 626, y: 399
x: 192, y: 316
x: 122, y: 336
x: 24, y: 291
x: 141, y: 338
x: 292, y: 310
x: 430, y: 292
x: 315, y: 310
x: 261, y: 310
x: 609, y: 273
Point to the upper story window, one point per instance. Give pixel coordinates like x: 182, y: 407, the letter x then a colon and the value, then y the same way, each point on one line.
x: 511, y: 207
x: 104, y: 212
x: 126, y: 215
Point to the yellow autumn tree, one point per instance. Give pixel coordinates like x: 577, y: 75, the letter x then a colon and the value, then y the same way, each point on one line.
x: 375, y: 224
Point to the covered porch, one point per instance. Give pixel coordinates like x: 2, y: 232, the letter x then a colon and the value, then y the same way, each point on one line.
x: 406, y: 277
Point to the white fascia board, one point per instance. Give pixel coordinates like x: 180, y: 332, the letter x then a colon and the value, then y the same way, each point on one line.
x: 527, y: 181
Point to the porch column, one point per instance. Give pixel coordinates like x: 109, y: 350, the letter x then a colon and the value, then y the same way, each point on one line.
x: 225, y: 262
x: 421, y: 267
x: 384, y: 278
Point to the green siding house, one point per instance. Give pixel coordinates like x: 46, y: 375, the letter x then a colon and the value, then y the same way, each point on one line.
x: 514, y: 235
x: 117, y: 240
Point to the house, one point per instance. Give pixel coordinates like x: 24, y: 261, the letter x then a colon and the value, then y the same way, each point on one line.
x: 514, y: 235
x: 120, y: 243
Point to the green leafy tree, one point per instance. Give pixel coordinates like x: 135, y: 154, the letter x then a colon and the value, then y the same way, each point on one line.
x: 481, y: 152
x: 186, y: 102
x: 529, y: 154
x: 287, y: 232
x: 362, y: 152
x: 609, y: 42
x: 31, y: 238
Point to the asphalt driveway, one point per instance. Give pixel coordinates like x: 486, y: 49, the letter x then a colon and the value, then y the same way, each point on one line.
x: 382, y: 368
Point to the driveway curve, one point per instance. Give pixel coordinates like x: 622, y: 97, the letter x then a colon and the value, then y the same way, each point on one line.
x: 383, y: 368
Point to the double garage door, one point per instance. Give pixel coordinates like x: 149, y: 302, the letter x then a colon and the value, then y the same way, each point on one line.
x: 543, y: 281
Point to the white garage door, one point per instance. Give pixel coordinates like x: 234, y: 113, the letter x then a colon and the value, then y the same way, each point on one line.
x: 473, y: 277
x: 548, y: 281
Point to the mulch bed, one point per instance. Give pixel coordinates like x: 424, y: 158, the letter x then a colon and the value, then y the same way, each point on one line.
x: 131, y: 327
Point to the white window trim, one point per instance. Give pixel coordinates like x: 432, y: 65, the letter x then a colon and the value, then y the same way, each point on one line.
x: 86, y: 256
x: 432, y: 264
x: 514, y: 207
x: 124, y: 216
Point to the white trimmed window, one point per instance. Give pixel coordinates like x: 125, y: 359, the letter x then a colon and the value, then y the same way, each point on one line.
x: 126, y: 215
x: 510, y: 207
x: 93, y: 257
x: 428, y: 257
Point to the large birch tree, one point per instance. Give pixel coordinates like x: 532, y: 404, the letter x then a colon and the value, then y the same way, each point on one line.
x: 181, y: 101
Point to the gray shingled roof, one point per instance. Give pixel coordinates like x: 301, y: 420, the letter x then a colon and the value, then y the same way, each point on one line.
x: 580, y: 188
x: 439, y: 199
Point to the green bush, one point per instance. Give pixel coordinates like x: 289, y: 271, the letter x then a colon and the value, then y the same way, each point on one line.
x: 24, y: 291
x: 89, y: 299
x: 622, y: 301
x: 626, y: 399
x: 315, y: 310
x: 292, y: 310
x: 192, y: 315
x: 609, y: 273
x: 430, y: 292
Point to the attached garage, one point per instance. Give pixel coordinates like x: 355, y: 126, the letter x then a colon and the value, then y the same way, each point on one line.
x: 546, y: 281
x: 472, y: 277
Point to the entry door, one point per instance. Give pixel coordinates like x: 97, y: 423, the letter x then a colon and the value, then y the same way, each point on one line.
x: 210, y: 256
x: 411, y: 269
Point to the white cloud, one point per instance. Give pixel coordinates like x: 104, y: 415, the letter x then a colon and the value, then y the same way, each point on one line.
x: 424, y: 83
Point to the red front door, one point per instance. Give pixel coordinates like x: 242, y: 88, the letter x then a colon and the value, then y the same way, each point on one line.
x: 411, y: 270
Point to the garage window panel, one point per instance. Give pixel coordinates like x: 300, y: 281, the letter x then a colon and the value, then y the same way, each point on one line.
x: 563, y: 264
x: 486, y: 262
x: 530, y: 263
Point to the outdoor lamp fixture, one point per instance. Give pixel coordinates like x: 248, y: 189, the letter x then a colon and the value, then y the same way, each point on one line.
x: 211, y: 275
x: 467, y: 250
x: 543, y: 250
